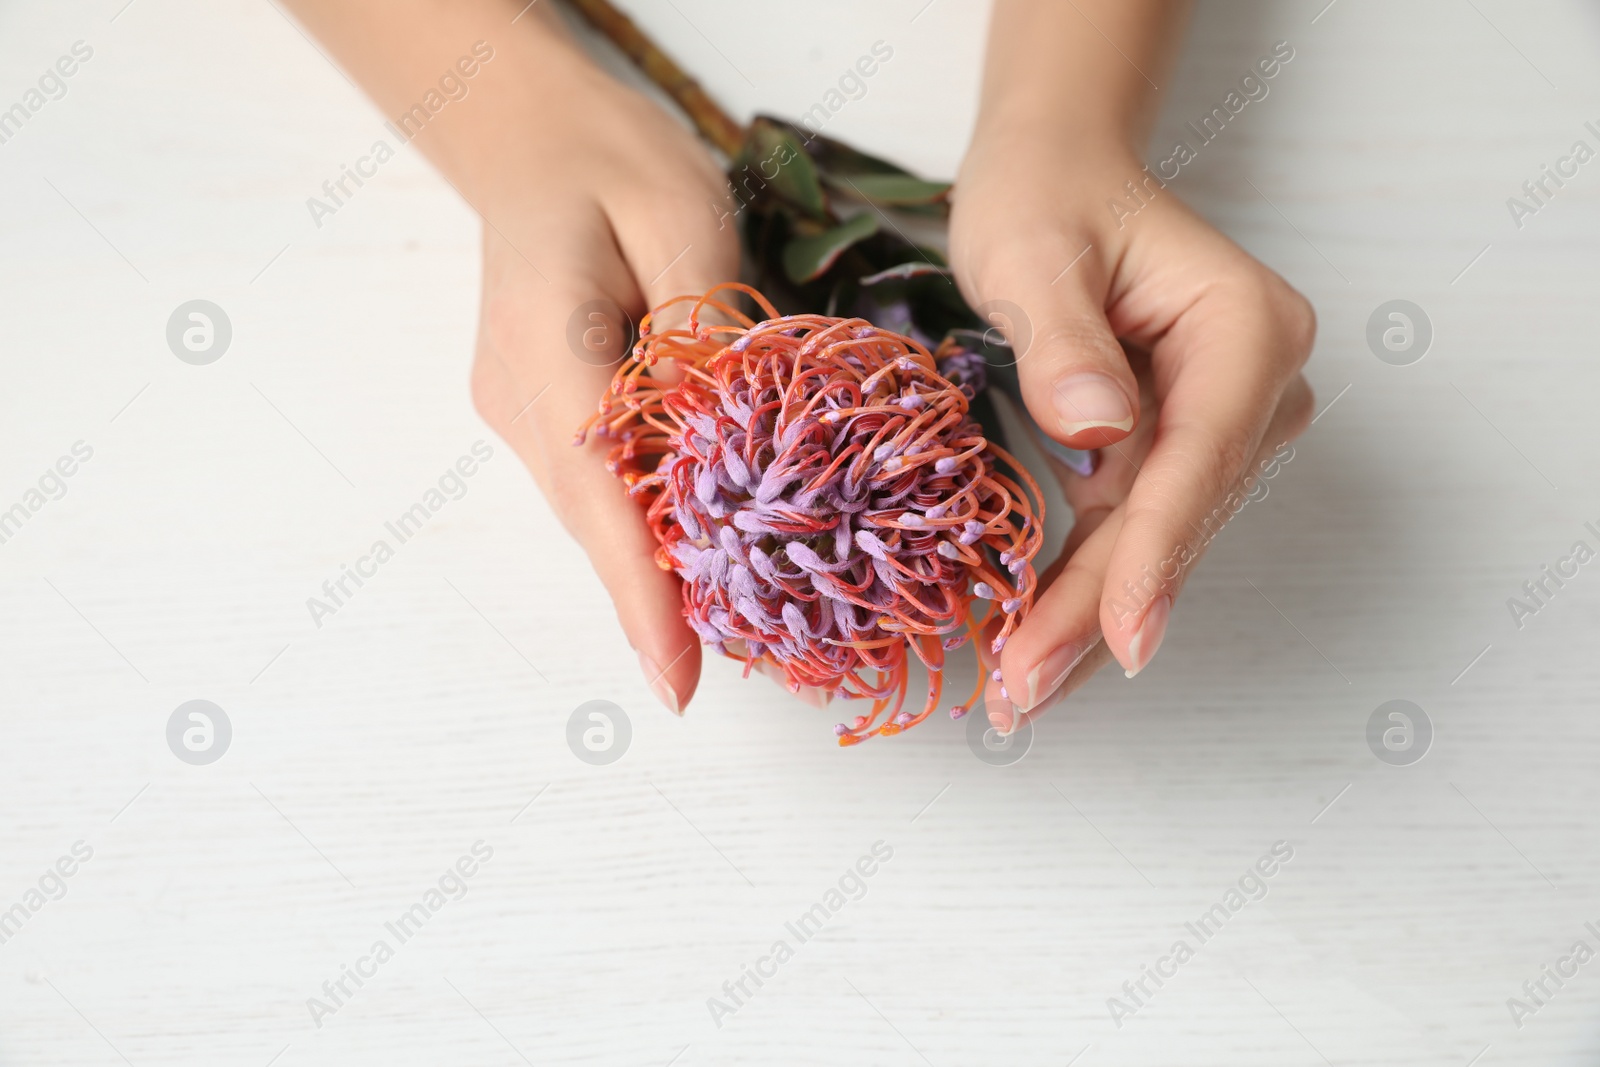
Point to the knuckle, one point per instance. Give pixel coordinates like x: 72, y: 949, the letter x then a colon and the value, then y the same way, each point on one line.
x: 1171, y: 490
x: 1300, y: 320
x: 1294, y: 318
x: 1233, y: 453
x: 1077, y: 339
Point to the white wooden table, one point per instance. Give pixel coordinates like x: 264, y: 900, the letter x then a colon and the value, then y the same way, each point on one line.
x: 369, y: 755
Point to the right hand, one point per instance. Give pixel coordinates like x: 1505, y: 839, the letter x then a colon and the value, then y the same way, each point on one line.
x: 606, y: 198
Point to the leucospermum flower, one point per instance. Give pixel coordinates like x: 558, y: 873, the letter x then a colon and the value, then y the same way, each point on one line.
x: 831, y: 505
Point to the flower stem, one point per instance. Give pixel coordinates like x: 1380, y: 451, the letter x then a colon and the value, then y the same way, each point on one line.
x: 714, y: 124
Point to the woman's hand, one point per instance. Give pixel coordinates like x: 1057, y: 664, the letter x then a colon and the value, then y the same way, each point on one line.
x: 595, y: 202
x: 1225, y: 338
x: 1072, y: 584
x: 616, y: 210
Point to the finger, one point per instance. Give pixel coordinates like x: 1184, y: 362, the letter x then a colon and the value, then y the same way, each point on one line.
x: 1075, y: 378
x: 1118, y: 464
x: 1087, y: 668
x: 1067, y: 615
x: 535, y: 392
x: 1064, y: 626
x: 1073, y: 650
x: 1233, y: 362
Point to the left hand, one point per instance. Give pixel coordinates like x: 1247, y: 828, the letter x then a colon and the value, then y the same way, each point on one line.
x: 1226, y: 339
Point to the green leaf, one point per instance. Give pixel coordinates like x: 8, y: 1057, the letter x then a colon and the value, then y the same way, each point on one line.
x: 889, y: 189
x: 836, y: 157
x: 776, y: 160
x: 808, y: 257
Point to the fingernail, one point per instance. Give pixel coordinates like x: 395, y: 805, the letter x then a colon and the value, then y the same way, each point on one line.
x: 1146, y: 639
x: 659, y: 684
x: 1053, y: 670
x: 1089, y: 402
x: 1000, y: 714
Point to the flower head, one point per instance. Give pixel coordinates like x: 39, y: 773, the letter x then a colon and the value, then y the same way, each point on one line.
x: 824, y: 492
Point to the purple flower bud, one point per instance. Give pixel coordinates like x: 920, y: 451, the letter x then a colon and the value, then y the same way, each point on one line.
x: 705, y: 484
x: 869, y: 543
x: 691, y: 524
x: 1009, y: 606
x: 795, y: 620
x: 948, y: 550
x: 946, y: 465
x: 802, y: 555
x: 995, y: 674
x: 736, y: 468
x: 958, y: 713
x: 982, y: 589
x: 840, y: 729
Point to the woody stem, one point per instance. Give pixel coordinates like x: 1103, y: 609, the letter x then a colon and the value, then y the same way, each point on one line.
x: 714, y: 124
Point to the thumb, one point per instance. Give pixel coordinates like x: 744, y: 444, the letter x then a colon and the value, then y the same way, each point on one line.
x: 1050, y: 302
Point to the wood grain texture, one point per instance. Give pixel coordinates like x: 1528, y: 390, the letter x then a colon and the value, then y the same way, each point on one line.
x: 372, y: 752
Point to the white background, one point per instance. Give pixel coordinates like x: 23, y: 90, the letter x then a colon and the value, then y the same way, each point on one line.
x: 369, y: 754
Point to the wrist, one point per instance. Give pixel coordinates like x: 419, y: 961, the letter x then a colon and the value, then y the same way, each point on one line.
x: 1063, y: 159
x: 492, y: 143
x: 1061, y: 125
x: 1078, y: 71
